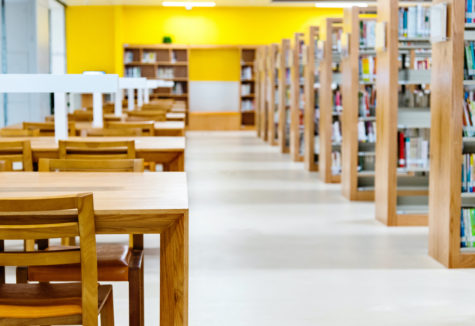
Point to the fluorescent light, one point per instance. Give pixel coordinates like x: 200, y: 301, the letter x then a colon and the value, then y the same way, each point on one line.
x: 188, y: 4
x: 340, y: 4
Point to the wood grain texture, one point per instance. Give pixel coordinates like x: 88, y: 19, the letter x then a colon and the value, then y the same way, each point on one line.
x: 446, y: 143
x: 263, y: 90
x: 90, y: 165
x: 283, y: 141
x: 309, y: 93
x: 16, y: 150
x: 273, y: 84
x: 386, y: 116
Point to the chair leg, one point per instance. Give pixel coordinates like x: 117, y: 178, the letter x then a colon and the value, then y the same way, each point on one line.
x: 107, y: 313
x: 136, y: 292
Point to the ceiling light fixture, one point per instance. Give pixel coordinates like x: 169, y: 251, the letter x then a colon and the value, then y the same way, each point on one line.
x: 340, y: 4
x: 188, y: 4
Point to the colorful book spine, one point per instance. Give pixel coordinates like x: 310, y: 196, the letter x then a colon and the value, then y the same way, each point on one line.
x: 467, y: 229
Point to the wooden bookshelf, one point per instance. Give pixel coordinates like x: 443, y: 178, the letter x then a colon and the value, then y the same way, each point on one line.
x: 248, y: 84
x: 297, y: 99
x: 329, y: 81
x: 284, y: 96
x: 312, y: 71
x: 259, y: 93
x: 272, y: 94
x: 401, y: 196
x: 160, y: 61
x: 357, y: 179
x: 262, y: 86
x: 447, y: 143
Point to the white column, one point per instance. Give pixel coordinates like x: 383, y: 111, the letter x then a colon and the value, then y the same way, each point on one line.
x: 118, y: 103
x: 131, y: 99
x: 97, y: 118
x: 146, y: 95
x: 140, y: 97
x: 60, y: 117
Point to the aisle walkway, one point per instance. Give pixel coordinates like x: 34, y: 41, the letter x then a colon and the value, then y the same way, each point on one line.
x: 272, y: 245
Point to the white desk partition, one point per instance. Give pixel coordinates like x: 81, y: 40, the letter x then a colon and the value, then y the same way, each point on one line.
x: 60, y: 85
x: 130, y: 84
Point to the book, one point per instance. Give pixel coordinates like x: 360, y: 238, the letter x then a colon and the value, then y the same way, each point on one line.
x: 413, y: 148
x: 128, y: 56
x: 414, y: 22
x: 467, y: 229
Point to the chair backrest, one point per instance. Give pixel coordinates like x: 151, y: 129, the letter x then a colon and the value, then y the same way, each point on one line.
x: 17, y: 151
x: 80, y: 115
x: 106, y: 108
x: 147, y: 127
x: 33, y: 218
x: 158, y: 106
x: 147, y: 115
x: 47, y: 128
x: 97, y: 150
x: 72, y: 165
x: 118, y: 132
x: 5, y: 132
x: 5, y: 165
x: 109, y: 117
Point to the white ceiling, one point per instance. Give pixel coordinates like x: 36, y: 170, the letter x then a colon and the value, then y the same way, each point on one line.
x: 243, y: 3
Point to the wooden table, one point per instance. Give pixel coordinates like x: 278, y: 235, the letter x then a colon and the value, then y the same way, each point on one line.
x: 162, y: 128
x: 167, y: 151
x: 176, y: 116
x: 124, y: 203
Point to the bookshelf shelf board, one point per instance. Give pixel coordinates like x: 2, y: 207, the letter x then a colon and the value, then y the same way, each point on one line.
x: 469, y: 25
x: 249, y: 64
x: 414, y: 82
x: 467, y: 250
x: 415, y: 39
x: 366, y: 174
x: 336, y: 144
x: 412, y: 209
x: 411, y: 170
x: 414, y: 47
x: 366, y: 153
x: 139, y: 63
x: 469, y: 82
x: 165, y: 63
x: 367, y: 118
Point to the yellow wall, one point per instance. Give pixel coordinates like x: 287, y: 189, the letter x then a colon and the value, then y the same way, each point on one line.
x: 214, y: 64
x: 95, y: 34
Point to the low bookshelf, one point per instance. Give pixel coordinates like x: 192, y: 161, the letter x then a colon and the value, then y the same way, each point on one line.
x: 248, y: 86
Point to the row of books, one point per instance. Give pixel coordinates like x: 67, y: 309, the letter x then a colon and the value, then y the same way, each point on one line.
x: 468, y: 172
x: 470, y: 11
x: 422, y: 63
x: 336, y: 162
x: 246, y: 73
x: 367, y: 33
x: 337, y: 101
x: 414, y: 21
x: 133, y: 72
x: 367, y: 131
x: 469, y: 114
x: 336, y: 132
x: 367, y: 97
x: 467, y: 223
x: 246, y: 89
x: 367, y: 68
x: 413, y: 148
x: 247, y: 105
x: 147, y: 57
x: 469, y: 62
x: 166, y: 73
x: 419, y: 98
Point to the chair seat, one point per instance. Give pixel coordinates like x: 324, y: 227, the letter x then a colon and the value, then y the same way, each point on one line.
x: 45, y: 300
x: 113, y: 262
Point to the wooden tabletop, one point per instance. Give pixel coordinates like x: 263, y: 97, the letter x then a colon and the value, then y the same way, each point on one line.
x: 155, y: 144
x: 161, y: 125
x: 139, y: 194
x: 176, y: 115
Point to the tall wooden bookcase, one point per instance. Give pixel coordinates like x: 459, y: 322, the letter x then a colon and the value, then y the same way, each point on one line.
x: 297, y: 99
x: 248, y: 80
x: 447, y: 144
x: 401, y: 196
x: 357, y: 181
x: 272, y: 94
x: 261, y: 90
x: 312, y: 72
x: 329, y: 81
x: 160, y: 61
x: 284, y: 95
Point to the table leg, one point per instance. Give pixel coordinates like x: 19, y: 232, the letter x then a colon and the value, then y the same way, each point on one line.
x: 174, y: 274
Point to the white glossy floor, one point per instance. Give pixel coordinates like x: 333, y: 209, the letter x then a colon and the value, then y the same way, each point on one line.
x: 271, y: 245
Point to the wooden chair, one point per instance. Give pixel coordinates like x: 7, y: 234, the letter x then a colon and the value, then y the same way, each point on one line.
x: 47, y: 128
x: 147, y: 127
x: 68, y: 165
x: 97, y: 150
x: 146, y: 116
x: 53, y: 304
x: 116, y: 262
x: 158, y: 106
x: 100, y: 132
x: 5, y: 166
x: 17, y: 151
x: 5, y: 132
x: 110, y: 117
x: 80, y: 115
x: 106, y: 108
